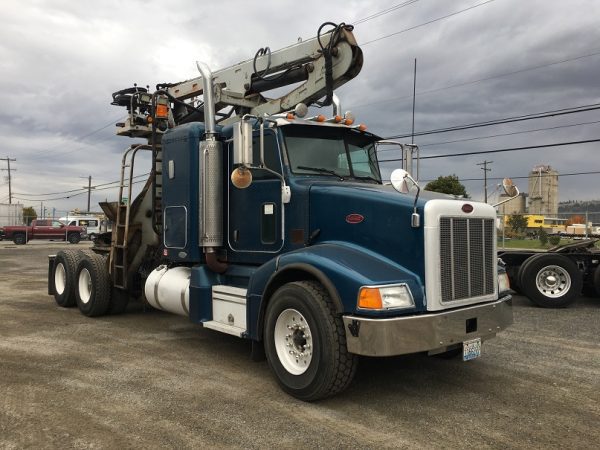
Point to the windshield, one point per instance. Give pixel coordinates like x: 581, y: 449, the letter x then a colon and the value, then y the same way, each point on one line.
x: 332, y: 151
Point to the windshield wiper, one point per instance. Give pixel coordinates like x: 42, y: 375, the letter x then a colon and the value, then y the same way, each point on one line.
x: 368, y: 178
x: 321, y: 170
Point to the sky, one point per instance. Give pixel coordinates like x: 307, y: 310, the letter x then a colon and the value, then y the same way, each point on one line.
x: 477, y: 60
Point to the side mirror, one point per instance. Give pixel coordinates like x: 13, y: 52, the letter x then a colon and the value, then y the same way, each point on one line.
x: 242, y: 143
x: 399, y: 179
x: 241, y: 177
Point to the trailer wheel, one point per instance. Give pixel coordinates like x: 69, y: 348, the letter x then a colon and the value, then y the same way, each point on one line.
x: 597, y: 280
x: 92, y: 285
x: 63, y: 272
x: 20, y: 239
x: 305, y: 342
x: 551, y: 280
x: 74, y: 238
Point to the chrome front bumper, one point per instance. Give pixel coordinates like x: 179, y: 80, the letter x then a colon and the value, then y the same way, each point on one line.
x: 413, y: 334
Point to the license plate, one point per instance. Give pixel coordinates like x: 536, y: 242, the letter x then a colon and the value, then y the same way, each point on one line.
x: 471, y: 349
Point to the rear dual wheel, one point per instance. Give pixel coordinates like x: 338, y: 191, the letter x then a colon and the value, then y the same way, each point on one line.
x: 93, y: 285
x: 550, y: 280
x: 65, y: 268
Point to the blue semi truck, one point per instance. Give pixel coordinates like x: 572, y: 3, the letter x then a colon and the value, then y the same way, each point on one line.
x: 264, y: 223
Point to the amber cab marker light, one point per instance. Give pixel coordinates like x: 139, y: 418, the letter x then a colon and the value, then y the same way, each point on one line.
x: 162, y: 111
x: 362, y: 127
x: 321, y: 118
x: 370, y: 298
x: 337, y: 119
x: 348, y: 121
x: 289, y: 116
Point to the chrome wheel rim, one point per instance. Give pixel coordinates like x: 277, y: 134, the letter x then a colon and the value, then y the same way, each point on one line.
x: 293, y: 341
x: 553, y: 281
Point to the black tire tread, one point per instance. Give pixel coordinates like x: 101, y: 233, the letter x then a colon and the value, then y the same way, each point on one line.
x: 596, y: 280
x: 345, y: 361
x: 100, y: 301
x: 342, y: 368
x: 535, y: 265
x: 70, y: 259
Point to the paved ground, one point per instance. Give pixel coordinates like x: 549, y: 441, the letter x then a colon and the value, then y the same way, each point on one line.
x: 150, y: 380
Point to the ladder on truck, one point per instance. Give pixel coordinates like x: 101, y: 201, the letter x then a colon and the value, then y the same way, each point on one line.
x: 123, y: 227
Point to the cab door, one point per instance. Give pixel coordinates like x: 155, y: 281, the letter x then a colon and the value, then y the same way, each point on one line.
x: 255, y: 213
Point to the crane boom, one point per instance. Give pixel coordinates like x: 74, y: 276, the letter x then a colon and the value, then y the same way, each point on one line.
x: 241, y: 84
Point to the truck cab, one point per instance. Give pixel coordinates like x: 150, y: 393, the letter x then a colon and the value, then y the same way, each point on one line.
x: 263, y: 223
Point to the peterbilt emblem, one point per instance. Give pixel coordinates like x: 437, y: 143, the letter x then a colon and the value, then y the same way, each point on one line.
x: 354, y: 218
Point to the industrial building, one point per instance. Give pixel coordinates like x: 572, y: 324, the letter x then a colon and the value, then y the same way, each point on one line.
x: 543, y: 191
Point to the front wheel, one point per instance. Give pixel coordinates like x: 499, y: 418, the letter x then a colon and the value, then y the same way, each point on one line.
x: 305, y: 342
x: 551, y: 280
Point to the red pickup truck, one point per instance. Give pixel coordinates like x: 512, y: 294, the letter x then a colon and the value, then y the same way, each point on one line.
x: 44, y: 229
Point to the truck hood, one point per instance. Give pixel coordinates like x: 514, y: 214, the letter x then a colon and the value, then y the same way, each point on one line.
x: 372, y: 216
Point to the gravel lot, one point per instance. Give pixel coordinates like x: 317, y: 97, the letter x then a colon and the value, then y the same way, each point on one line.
x: 147, y: 379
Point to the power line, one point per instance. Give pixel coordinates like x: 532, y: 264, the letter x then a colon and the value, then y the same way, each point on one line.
x: 521, y: 118
x: 384, y: 12
x: 593, y: 172
x: 84, y: 189
x: 72, y: 195
x: 503, y: 134
x: 479, y: 80
x: 427, y: 23
x: 500, y: 150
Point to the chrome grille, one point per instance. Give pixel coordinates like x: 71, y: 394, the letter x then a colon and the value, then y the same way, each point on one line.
x: 467, y: 258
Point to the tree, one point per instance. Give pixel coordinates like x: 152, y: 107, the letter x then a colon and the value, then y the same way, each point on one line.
x: 543, y: 236
x: 447, y: 185
x: 29, y: 214
x: 517, y: 223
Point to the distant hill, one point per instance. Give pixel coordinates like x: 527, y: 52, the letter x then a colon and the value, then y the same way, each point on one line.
x: 575, y: 207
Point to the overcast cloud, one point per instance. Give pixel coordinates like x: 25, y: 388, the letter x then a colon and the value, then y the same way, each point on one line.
x: 61, y: 60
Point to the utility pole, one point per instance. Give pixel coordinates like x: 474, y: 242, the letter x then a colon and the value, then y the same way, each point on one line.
x: 89, y: 188
x: 485, y: 171
x: 412, y: 137
x: 8, y: 160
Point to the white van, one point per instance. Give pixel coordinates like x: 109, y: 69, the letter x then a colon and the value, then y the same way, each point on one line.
x: 93, y: 224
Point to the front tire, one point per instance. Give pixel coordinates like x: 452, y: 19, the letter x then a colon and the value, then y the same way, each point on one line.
x: 93, y: 285
x: 551, y: 280
x: 305, y: 342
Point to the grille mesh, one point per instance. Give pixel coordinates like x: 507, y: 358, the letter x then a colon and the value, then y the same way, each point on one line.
x: 467, y: 258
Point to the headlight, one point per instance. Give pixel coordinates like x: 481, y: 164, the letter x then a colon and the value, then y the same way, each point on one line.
x: 385, y: 297
x: 503, y: 282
